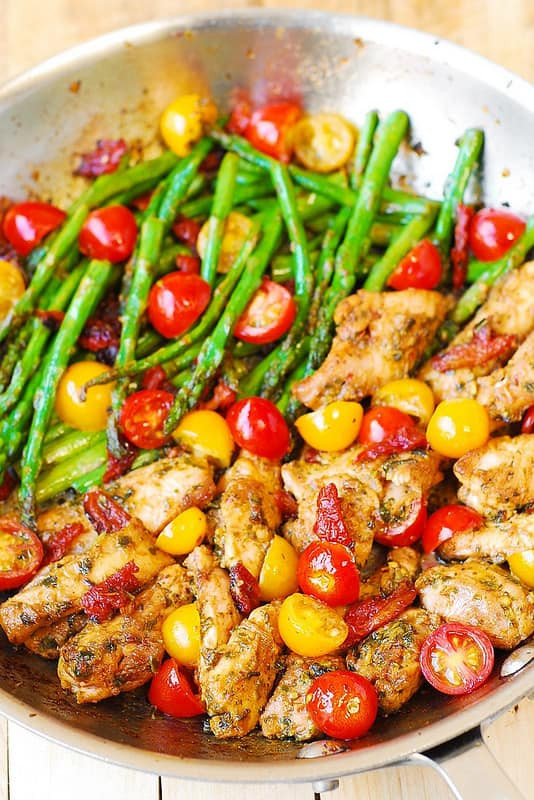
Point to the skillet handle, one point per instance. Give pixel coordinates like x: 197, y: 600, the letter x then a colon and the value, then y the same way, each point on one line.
x: 469, y: 768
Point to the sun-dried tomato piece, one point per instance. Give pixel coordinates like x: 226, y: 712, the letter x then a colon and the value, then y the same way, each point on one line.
x: 51, y: 319
x: 186, y: 230
x: 484, y: 346
x: 119, y: 466
x: 188, y: 263
x: 105, y: 158
x: 459, y: 253
x: 156, y: 378
x: 8, y: 484
x: 112, y: 594
x: 287, y: 505
x: 212, y: 161
x: 244, y: 589
x: 330, y: 525
x: 367, y: 615
x: 98, y: 335
x: 222, y: 398
x: 60, y: 543
x: 403, y: 439
x: 104, y: 514
x: 142, y: 201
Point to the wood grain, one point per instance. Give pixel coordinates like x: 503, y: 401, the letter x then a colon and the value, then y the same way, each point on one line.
x: 31, y: 31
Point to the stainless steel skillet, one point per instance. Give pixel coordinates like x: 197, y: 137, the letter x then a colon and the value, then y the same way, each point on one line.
x: 117, y: 85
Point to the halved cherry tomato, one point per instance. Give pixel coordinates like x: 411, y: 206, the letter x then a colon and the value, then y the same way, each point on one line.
x: 457, y: 426
x: 522, y: 566
x: 108, y: 233
x: 420, y: 269
x: 309, y: 627
x: 527, y: 425
x: 172, y: 693
x: 327, y: 571
x: 176, y: 302
x: 208, y: 435
x: 406, y: 527
x: 143, y: 416
x: 26, y: 224
x: 182, y: 121
x: 269, y: 127
x: 447, y: 521
x: 268, y: 316
x: 258, y: 426
x: 381, y: 422
x: 278, y: 576
x: 11, y: 287
x: 21, y: 553
x: 333, y: 427
x: 237, y: 228
x: 493, y: 231
x: 323, y: 142
x: 183, y: 533
x: 457, y: 658
x: 408, y: 395
x: 342, y: 704
x: 181, y: 635
x: 370, y: 614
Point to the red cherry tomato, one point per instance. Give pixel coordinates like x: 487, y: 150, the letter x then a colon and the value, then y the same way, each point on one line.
x: 327, y: 571
x: 26, y: 224
x: 143, y: 416
x: 171, y: 692
x: 380, y: 422
x: 447, y: 521
x: 342, y: 704
x: 21, y: 553
x: 176, y: 302
x: 420, y: 269
x: 493, y: 231
x: 527, y: 426
x: 269, y: 127
x: 407, y: 530
x: 457, y: 658
x: 109, y: 233
x: 257, y: 425
x: 241, y: 113
x: 268, y: 316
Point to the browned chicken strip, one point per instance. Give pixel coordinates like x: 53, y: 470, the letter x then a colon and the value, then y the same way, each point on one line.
x: 48, y: 641
x: 494, y: 541
x: 236, y: 686
x: 389, y: 657
x: 498, y: 478
x: 106, y: 659
x: 247, y: 515
x: 286, y: 715
x: 380, y: 337
x: 480, y: 594
x: 509, y: 310
x: 59, y: 593
x: 402, y: 565
x: 509, y: 391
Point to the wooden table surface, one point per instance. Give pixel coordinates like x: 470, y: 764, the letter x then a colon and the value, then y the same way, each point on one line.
x: 32, y: 30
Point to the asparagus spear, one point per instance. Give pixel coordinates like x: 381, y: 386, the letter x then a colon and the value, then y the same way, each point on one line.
x: 222, y: 205
x: 363, y: 149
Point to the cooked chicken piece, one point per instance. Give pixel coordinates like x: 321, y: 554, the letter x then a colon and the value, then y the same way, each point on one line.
x: 123, y: 653
x: 509, y: 310
x: 59, y: 593
x: 365, y: 488
x: 247, y: 515
x: 48, y: 641
x: 509, y: 391
x: 402, y: 565
x: 286, y: 715
x: 482, y: 595
x: 236, y: 686
x: 494, y: 541
x: 389, y: 657
x: 444, y: 493
x: 216, y: 609
x: 380, y: 337
x: 498, y: 478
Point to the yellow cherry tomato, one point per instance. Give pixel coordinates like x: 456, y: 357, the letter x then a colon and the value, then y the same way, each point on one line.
x: 181, y: 635
x: 237, y: 228
x: 309, y: 627
x: 90, y: 414
x: 323, y: 142
x: 522, y: 566
x: 457, y: 426
x: 207, y: 434
x: 11, y: 287
x: 278, y: 576
x: 184, y: 533
x: 408, y: 395
x: 333, y: 427
x: 183, y: 120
